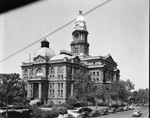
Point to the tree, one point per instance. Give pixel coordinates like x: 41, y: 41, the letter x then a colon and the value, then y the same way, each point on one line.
x: 82, y: 87
x: 141, y: 96
x: 12, y: 89
x: 129, y: 85
x: 120, y: 90
x: 97, y: 92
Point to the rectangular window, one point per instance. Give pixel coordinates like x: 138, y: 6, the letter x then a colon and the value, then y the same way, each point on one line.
x: 58, y: 93
x: 53, y: 94
x: 50, y: 93
x: 93, y: 73
x: 50, y: 85
x: 58, y: 85
x: 58, y: 76
x: 61, y: 76
x: 97, y: 79
x: 97, y: 73
x: 62, y: 93
x: 61, y: 85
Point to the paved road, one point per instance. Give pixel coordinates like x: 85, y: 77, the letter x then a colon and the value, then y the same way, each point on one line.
x: 128, y: 114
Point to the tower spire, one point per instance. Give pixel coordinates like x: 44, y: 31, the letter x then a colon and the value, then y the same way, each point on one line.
x: 79, y: 45
x: 80, y: 12
x: 80, y: 23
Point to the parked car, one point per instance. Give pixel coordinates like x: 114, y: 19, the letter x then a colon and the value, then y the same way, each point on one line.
x: 125, y: 108
x: 137, y: 113
x: 68, y: 116
x: 94, y: 114
x: 84, y: 109
x: 104, y: 111
x: 74, y: 113
x: 118, y: 109
x: 112, y: 110
x: 131, y: 107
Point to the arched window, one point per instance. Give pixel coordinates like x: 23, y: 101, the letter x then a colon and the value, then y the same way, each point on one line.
x: 31, y: 71
x: 51, y: 70
x: 50, y: 93
x: 60, y: 69
x: 25, y: 73
x: 76, y: 49
x: 39, y: 72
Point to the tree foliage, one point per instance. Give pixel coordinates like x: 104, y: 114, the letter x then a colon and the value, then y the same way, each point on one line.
x: 86, y: 90
x: 142, y: 95
x: 83, y: 87
x: 12, y: 89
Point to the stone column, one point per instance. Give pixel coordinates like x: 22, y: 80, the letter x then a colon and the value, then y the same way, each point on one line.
x: 22, y: 74
x: 72, y: 73
x: 40, y: 90
x: 28, y: 74
x: 65, y: 72
x: 114, y: 77
x: 29, y: 94
x: 102, y: 75
x: 71, y: 88
x: 72, y: 81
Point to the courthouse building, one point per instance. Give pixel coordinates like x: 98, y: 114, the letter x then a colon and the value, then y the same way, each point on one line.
x: 49, y: 76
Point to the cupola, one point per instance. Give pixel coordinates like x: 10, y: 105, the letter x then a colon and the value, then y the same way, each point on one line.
x: 80, y: 23
x: 44, y: 51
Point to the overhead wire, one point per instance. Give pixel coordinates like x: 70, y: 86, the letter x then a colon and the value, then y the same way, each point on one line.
x: 91, y: 10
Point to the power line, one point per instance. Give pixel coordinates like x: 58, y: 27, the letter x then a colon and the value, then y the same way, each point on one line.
x: 91, y: 10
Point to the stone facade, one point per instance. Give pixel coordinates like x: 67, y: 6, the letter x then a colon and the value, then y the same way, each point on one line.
x: 49, y: 76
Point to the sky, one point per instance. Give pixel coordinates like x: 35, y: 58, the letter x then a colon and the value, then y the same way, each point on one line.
x: 119, y: 28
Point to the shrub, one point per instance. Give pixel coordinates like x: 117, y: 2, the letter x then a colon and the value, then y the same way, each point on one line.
x: 37, y: 113
x: 48, y: 114
x: 56, y: 110
x: 74, y: 102
x: 46, y: 106
x: 60, y: 109
x: 68, y: 106
x: 102, y: 104
x: 1, y: 104
x: 38, y: 103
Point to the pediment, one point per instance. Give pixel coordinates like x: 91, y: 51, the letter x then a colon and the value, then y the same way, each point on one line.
x: 39, y: 58
x: 109, y: 59
x: 76, y: 60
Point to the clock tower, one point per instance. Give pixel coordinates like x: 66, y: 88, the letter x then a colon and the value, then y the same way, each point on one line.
x: 79, y: 45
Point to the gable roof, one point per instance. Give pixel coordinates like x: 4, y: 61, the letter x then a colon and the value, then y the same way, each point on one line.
x: 108, y: 58
x: 38, y: 57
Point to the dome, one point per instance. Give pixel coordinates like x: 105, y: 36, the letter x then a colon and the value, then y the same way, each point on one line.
x: 80, y: 17
x: 45, y: 52
x: 60, y: 56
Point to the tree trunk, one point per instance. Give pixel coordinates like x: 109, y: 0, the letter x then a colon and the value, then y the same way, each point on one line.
x: 6, y: 108
x: 96, y: 103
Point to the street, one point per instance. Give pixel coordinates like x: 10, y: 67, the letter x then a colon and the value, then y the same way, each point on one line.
x: 128, y: 114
